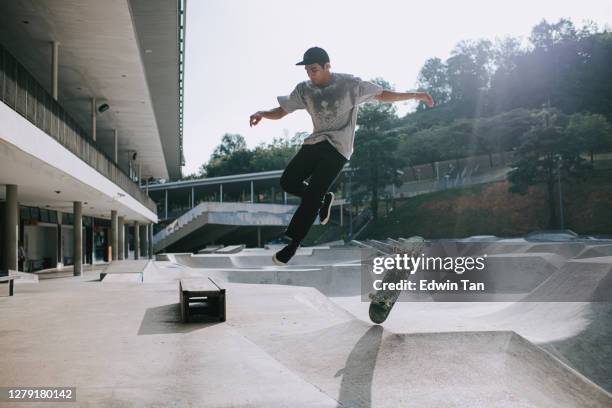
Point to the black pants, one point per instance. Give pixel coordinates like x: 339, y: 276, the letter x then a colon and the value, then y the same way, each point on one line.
x: 322, y: 163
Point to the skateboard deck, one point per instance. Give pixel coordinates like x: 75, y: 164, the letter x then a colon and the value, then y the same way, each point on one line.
x: 382, y: 301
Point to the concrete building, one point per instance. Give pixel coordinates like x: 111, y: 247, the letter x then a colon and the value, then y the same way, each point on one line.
x: 91, y: 106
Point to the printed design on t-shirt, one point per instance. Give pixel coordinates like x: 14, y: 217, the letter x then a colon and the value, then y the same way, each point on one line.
x: 326, y: 104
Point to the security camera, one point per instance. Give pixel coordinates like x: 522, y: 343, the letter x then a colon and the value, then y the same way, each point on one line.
x: 103, y: 108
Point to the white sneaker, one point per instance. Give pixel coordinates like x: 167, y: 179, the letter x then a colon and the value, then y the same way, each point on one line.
x: 325, y: 211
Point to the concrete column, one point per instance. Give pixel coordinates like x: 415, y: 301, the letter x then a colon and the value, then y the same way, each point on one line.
x: 284, y: 197
x: 93, y: 240
x: 126, y: 241
x: 220, y: 193
x: 192, y: 197
x: 11, y: 230
x: 258, y: 237
x: 341, y: 216
x: 77, y: 231
x: 114, y: 235
x: 60, y: 247
x: 93, y: 119
x: 139, y: 174
x: 136, y: 240
x: 150, y: 251
x: 115, y: 146
x: 54, y: 69
x: 145, y: 242
x: 252, y: 192
x: 121, y: 239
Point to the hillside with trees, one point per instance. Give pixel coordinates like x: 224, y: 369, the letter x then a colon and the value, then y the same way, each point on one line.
x: 547, y: 100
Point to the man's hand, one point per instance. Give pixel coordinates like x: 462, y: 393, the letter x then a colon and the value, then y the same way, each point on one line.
x: 425, y: 97
x: 255, y: 118
x: 274, y: 114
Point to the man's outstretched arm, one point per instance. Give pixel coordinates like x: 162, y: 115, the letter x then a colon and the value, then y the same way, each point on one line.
x: 390, y: 96
x: 276, y: 113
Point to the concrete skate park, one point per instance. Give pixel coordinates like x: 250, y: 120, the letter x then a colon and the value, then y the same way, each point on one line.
x: 300, y: 335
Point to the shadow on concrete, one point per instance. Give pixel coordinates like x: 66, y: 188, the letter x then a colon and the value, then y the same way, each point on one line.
x: 590, y: 351
x: 357, y: 375
x: 167, y: 319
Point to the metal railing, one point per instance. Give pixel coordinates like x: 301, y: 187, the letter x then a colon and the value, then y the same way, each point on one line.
x: 20, y: 91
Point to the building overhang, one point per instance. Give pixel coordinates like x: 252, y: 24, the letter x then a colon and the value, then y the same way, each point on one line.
x: 50, y: 176
x: 124, y: 53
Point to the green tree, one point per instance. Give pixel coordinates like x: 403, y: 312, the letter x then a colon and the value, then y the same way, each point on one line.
x: 374, y: 157
x: 433, y: 79
x: 230, y: 143
x: 548, y: 152
x: 277, y: 154
x: 546, y: 35
x: 593, y: 130
x: 231, y: 156
x: 469, y: 72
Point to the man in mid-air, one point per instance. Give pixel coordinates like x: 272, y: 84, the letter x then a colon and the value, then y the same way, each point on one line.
x: 332, y: 100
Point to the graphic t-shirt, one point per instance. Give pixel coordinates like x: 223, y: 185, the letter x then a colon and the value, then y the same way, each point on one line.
x: 333, y: 108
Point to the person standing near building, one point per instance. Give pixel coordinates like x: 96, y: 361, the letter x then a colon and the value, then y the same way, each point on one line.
x: 332, y: 100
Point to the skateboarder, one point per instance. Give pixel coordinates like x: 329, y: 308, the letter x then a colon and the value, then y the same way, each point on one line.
x: 332, y: 101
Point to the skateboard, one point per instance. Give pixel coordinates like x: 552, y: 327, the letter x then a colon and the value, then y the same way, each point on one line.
x: 382, y: 301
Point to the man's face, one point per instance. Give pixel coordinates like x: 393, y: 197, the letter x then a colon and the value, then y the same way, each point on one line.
x: 317, y: 73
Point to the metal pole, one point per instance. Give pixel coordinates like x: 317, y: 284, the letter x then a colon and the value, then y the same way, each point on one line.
x: 560, y: 194
x: 252, y: 194
x: 220, y: 193
x: 166, y: 204
x: 350, y: 197
x: 54, y: 69
x: 192, y: 197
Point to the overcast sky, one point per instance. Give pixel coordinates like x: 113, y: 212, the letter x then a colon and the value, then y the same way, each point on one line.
x: 241, y: 54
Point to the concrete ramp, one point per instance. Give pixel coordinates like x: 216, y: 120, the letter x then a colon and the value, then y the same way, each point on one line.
x: 263, y: 258
x: 533, y: 353
x: 593, y: 251
x: 330, y: 280
x: 579, y: 280
x: 361, y: 365
x: 204, y: 261
x: 368, y: 367
x: 23, y: 277
x: 565, y: 249
x: 123, y: 277
x: 124, y: 271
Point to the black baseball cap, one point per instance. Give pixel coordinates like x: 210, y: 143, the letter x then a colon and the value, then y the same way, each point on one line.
x: 314, y: 55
